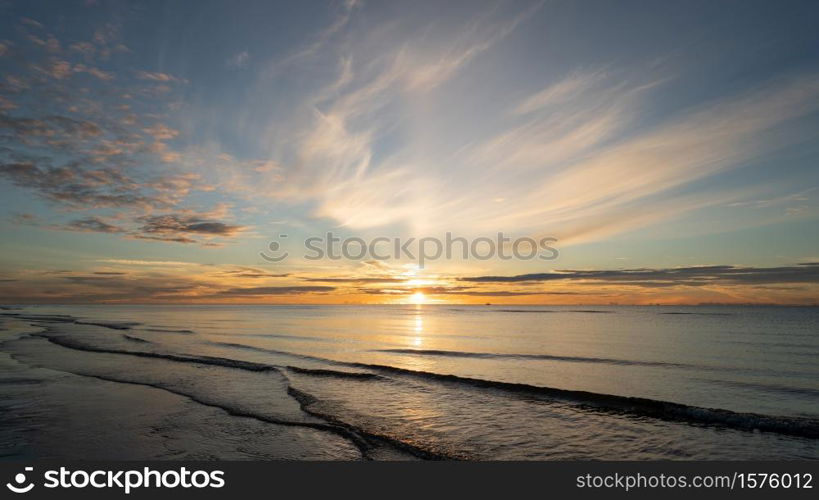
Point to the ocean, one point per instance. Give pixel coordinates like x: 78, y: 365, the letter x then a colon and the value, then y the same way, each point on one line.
x: 409, y: 382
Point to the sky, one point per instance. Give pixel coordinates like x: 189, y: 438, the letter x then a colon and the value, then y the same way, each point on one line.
x: 162, y: 152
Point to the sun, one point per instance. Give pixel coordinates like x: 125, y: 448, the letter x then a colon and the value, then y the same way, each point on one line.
x: 418, y: 298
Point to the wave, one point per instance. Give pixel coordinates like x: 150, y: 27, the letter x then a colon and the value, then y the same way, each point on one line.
x: 205, y: 360
x: 283, y: 336
x: 65, y: 318
x: 544, y: 311
x: 49, y: 318
x: 530, y: 310
x: 550, y: 357
x: 343, y: 431
x: 306, y: 401
x: 246, y: 347
x: 367, y: 442
x: 166, y: 330
x: 771, y: 344
x: 20, y: 381
x: 643, y: 407
x: 136, y: 339
x: 583, y: 359
x: 114, y: 325
x: 209, y: 360
x: 322, y: 372
x: 699, y: 313
x: 776, y: 388
x: 664, y: 410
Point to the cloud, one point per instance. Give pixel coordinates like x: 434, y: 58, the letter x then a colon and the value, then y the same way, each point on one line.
x: 95, y: 72
x: 96, y: 288
x: 252, y: 272
x: 670, y: 277
x: 176, y: 224
x: 93, y: 224
x: 156, y: 76
x: 125, y: 280
x: 560, y: 92
x: 580, y: 156
x: 82, y: 188
x: 321, y: 39
x: 330, y: 160
x: 136, y: 262
x: 273, y: 290
x: 428, y: 73
x: 168, y: 239
x: 239, y: 60
x: 25, y: 219
x: 356, y: 280
x: 465, y: 291
x: 6, y: 104
x: 161, y: 132
x: 580, y: 172
x: 50, y: 126
x: 79, y: 188
x: 31, y: 22
x: 87, y: 49
x: 90, y: 145
x: 94, y: 145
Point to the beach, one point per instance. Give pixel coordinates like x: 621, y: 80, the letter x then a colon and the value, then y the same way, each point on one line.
x: 409, y: 383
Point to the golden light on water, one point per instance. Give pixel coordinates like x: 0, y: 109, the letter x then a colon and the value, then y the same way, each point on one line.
x: 418, y: 340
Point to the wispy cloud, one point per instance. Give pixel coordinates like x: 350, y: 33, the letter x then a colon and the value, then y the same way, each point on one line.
x: 261, y: 291
x: 253, y: 273
x: 682, y: 276
x: 238, y: 60
x: 333, y: 161
x: 575, y: 158
x: 93, y: 224
x: 157, y: 76
x: 136, y: 262
x: 560, y: 92
x: 580, y: 172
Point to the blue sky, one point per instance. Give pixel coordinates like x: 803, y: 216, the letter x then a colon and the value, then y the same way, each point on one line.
x: 658, y: 135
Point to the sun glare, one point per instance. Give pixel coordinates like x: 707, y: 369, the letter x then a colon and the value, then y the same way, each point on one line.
x: 418, y: 298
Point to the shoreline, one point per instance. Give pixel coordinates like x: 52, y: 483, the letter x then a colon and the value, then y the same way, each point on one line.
x: 84, y: 360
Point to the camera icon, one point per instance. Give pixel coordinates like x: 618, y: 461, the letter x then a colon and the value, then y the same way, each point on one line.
x: 274, y: 247
x: 20, y: 479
